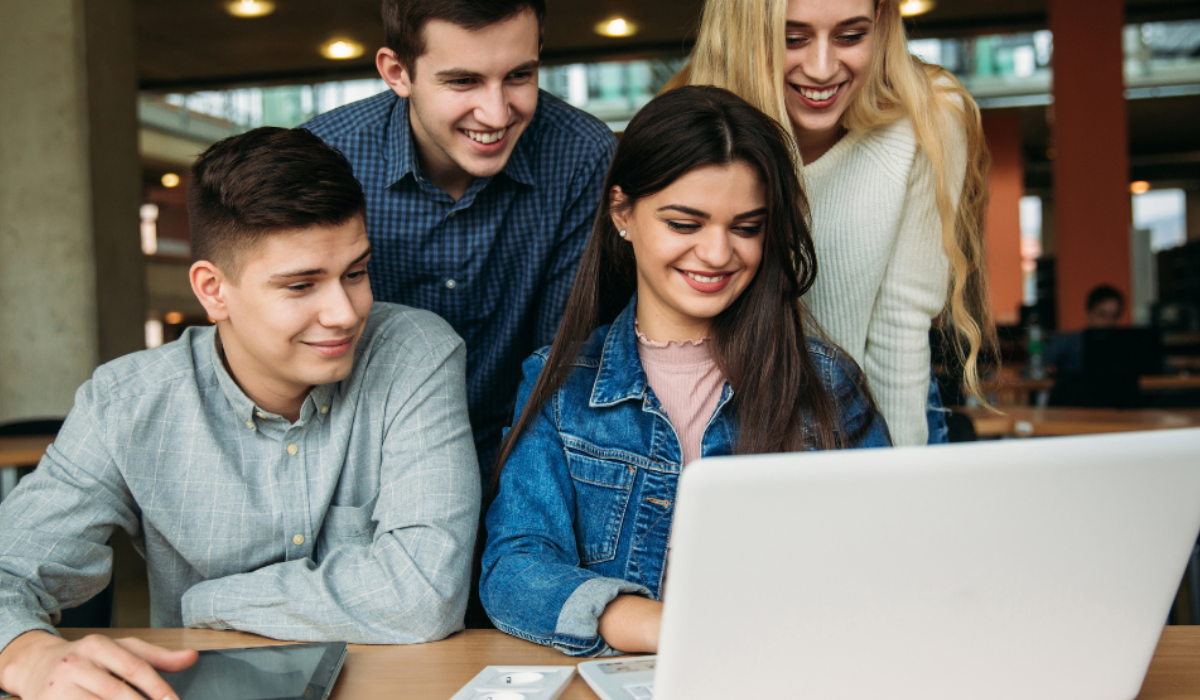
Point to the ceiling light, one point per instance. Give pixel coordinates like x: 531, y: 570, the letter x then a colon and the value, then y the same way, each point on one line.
x: 617, y: 26
x: 250, y: 8
x: 1139, y: 187
x: 170, y: 180
x: 341, y: 49
x: 912, y: 8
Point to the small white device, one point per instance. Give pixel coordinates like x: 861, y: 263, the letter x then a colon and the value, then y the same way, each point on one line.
x: 1033, y: 569
x: 517, y: 683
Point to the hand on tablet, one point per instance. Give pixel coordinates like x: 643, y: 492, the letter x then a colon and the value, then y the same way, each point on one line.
x: 40, y: 666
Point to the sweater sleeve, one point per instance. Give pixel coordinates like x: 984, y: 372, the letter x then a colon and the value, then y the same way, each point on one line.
x: 913, y: 292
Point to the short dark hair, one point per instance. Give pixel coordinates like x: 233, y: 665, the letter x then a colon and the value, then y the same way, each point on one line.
x: 266, y: 181
x: 1103, y: 293
x: 404, y: 20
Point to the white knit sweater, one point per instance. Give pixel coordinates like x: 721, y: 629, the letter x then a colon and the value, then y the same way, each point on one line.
x: 882, y: 274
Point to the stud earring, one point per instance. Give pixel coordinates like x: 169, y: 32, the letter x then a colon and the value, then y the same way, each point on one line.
x: 622, y: 233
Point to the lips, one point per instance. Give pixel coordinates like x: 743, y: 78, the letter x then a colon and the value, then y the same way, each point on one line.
x: 333, y: 348
x: 706, y: 282
x: 819, y: 97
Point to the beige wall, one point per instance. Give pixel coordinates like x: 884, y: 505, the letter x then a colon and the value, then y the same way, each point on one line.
x: 72, y: 290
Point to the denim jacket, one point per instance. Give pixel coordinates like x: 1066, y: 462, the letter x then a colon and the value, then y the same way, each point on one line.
x: 587, y: 496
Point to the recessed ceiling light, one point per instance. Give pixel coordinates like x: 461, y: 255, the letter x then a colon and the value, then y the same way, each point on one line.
x: 912, y: 8
x: 1139, y: 187
x: 250, y: 8
x: 341, y: 49
x: 170, y: 180
x: 617, y: 26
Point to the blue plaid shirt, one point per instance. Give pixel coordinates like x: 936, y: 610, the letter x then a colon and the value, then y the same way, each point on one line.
x: 497, y: 264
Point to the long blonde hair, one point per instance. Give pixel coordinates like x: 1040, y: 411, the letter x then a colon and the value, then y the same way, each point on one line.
x: 741, y: 47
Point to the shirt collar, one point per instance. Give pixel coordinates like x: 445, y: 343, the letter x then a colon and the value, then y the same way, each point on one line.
x: 400, y: 149
x: 318, y: 402
x: 620, y: 376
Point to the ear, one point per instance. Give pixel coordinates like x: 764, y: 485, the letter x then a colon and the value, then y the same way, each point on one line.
x: 879, y: 9
x: 393, y: 72
x: 617, y: 202
x: 208, y: 284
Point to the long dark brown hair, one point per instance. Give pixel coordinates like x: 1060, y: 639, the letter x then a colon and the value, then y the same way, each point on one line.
x: 759, y: 341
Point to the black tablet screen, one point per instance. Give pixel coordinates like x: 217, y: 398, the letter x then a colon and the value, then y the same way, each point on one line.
x: 286, y: 672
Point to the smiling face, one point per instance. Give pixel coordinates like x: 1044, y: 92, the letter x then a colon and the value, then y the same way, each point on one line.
x: 698, y: 244
x: 471, y: 95
x: 291, y: 319
x: 830, y: 47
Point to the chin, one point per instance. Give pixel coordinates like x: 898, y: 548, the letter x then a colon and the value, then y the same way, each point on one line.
x: 328, y: 375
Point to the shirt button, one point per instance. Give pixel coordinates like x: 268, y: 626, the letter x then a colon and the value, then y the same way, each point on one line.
x: 298, y: 540
x: 324, y: 410
x: 250, y: 424
x: 453, y: 213
x: 260, y: 414
x: 451, y: 284
x: 292, y: 450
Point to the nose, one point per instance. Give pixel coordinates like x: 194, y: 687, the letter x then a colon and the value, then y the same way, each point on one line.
x: 492, y: 110
x: 820, y: 63
x: 337, y: 310
x: 713, y: 248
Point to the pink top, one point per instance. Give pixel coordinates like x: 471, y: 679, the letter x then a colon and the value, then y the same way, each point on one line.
x: 687, y: 382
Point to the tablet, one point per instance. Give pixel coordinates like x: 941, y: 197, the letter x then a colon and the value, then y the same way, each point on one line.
x: 282, y: 672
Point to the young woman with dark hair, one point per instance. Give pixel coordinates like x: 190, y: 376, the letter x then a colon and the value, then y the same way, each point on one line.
x: 682, y: 338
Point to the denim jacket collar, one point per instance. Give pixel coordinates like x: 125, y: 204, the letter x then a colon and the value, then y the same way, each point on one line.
x: 620, y: 377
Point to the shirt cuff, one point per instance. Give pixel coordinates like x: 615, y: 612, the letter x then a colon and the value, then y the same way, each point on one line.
x: 577, y: 631
x: 199, y: 607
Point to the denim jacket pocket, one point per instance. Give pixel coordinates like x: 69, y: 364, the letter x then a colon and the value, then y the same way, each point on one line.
x: 602, y: 491
x: 346, y: 525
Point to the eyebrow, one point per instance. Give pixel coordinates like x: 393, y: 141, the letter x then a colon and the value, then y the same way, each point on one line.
x: 843, y: 23
x: 319, y: 270
x: 699, y: 214
x: 459, y: 73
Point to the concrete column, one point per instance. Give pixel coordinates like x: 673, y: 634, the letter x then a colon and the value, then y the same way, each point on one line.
x: 72, y: 280
x: 1006, y: 185
x: 1091, y: 140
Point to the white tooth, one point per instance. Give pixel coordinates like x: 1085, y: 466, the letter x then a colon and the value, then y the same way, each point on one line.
x: 486, y: 138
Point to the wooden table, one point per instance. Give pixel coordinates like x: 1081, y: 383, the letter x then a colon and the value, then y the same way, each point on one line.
x: 19, y: 452
x: 437, y: 671
x: 1169, y: 382
x: 1016, y: 391
x: 23, y: 451
x: 1023, y: 421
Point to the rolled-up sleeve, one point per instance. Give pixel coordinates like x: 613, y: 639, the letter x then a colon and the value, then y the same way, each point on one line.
x: 533, y: 585
x: 410, y: 582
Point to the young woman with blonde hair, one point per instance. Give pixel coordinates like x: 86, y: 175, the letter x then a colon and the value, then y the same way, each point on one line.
x: 895, y: 168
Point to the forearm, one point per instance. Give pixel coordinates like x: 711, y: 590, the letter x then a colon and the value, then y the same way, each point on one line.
x: 377, y: 594
x: 631, y: 623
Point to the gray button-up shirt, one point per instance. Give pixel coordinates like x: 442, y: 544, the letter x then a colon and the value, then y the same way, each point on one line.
x: 355, y: 523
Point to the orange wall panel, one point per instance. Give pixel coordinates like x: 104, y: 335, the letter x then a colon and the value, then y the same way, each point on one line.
x: 1006, y: 185
x: 1091, y: 141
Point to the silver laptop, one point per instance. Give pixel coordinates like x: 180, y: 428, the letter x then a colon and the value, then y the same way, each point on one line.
x: 996, y: 570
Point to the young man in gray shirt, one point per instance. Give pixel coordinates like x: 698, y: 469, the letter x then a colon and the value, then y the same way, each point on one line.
x: 303, y: 470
